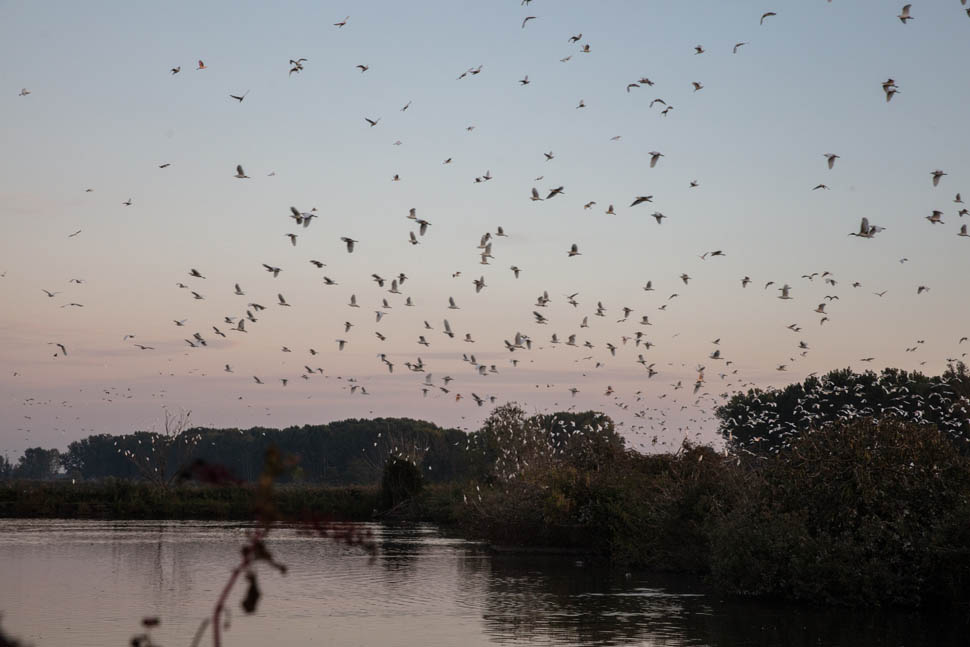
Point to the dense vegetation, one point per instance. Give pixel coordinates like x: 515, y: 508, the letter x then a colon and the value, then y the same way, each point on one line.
x: 863, y: 513
x: 846, y: 492
x: 339, y: 453
x: 767, y: 421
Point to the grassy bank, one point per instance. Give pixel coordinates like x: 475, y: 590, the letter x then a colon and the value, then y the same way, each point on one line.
x: 119, y: 499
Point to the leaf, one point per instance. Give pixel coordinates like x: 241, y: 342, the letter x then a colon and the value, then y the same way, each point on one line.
x: 252, y: 594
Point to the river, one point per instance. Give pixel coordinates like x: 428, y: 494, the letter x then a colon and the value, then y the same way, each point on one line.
x: 89, y: 583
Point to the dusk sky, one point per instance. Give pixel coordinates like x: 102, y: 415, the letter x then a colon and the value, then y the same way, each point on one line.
x: 103, y: 112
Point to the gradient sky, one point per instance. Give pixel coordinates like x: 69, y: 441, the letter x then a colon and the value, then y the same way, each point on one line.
x: 104, y: 112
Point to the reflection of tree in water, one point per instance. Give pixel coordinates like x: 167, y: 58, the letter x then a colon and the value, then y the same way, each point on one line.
x: 399, y: 548
x: 552, y: 599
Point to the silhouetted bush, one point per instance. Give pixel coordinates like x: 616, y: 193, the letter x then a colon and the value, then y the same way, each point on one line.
x: 401, y: 481
x: 862, y: 514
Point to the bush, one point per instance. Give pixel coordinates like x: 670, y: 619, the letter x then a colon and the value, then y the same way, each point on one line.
x: 400, y: 482
x: 864, y: 514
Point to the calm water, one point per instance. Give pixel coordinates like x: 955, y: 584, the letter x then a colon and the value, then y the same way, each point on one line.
x: 83, y: 583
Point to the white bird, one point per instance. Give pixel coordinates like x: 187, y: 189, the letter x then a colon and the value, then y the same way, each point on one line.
x: 865, y: 230
x: 831, y: 157
x: 904, y: 14
x: 784, y: 292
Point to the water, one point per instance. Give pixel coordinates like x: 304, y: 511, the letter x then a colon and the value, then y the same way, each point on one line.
x: 89, y: 583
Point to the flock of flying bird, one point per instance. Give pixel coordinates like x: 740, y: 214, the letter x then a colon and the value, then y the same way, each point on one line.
x: 632, y: 345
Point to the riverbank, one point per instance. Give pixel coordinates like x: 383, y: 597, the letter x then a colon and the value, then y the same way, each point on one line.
x: 119, y: 499
x: 868, y: 514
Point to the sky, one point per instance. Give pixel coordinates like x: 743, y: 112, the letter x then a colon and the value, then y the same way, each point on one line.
x: 104, y: 112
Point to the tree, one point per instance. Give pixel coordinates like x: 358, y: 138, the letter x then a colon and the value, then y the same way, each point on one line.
x: 767, y: 421
x: 6, y: 468
x: 37, y: 464
x: 400, y: 482
x: 163, y: 457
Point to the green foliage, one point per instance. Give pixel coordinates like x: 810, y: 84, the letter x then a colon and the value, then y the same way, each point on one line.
x: 767, y: 421
x: 339, y: 453
x: 861, y: 514
x: 401, y: 482
x: 122, y: 499
x: 649, y: 511
x: 37, y: 464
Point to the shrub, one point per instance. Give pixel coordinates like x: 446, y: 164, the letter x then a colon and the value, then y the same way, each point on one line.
x: 401, y: 481
x: 863, y: 514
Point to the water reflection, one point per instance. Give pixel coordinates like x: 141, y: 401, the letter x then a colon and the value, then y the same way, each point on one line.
x: 554, y: 600
x: 88, y: 583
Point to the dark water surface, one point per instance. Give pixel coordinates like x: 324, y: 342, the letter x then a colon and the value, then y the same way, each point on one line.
x: 88, y: 583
